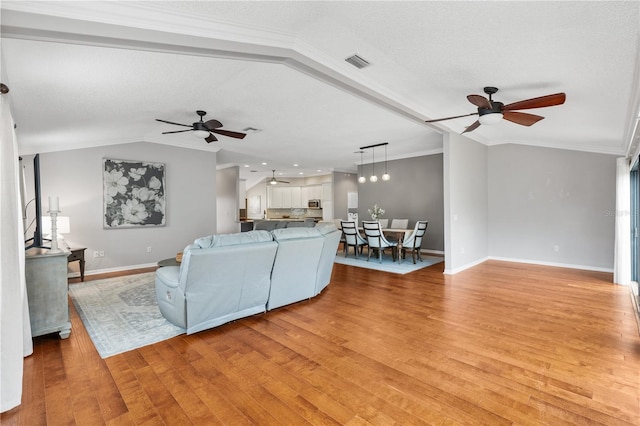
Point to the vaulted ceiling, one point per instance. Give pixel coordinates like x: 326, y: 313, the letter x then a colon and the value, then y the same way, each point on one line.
x: 87, y: 74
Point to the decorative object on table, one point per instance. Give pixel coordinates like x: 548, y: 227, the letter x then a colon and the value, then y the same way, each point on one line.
x: 54, y: 209
x: 134, y: 194
x: 121, y: 314
x: 376, y: 212
x: 63, y: 226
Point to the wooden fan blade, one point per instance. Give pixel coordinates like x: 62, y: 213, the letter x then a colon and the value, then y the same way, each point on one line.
x: 541, y: 102
x: 471, y: 128
x: 212, y: 124
x: 521, y: 118
x: 177, y: 131
x: 450, y: 118
x: 210, y: 138
x: 479, y: 101
x: 171, y: 122
x: 229, y: 133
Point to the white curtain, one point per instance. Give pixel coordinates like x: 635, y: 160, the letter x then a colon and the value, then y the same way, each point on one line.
x: 622, y: 259
x: 15, y: 328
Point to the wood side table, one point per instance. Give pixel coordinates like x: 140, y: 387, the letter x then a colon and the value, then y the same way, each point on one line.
x: 78, y: 254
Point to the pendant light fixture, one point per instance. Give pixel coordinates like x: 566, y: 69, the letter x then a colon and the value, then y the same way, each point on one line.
x: 385, y: 176
x: 373, y: 177
x: 361, y: 178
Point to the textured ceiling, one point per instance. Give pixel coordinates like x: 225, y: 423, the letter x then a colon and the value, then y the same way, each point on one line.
x: 78, y: 79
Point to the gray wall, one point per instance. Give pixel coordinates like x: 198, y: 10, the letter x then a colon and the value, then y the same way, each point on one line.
x: 542, y: 200
x: 343, y: 184
x: 466, y: 202
x: 415, y: 192
x: 75, y: 176
x: 227, y: 206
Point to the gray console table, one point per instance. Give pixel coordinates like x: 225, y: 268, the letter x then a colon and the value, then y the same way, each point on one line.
x: 47, y: 290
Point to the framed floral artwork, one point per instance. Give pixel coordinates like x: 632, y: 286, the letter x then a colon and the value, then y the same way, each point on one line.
x: 134, y: 193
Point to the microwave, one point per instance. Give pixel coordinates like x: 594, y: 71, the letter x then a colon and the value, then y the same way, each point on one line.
x: 314, y: 204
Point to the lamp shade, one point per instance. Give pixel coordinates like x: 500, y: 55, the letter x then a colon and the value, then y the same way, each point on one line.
x: 201, y: 133
x: 491, y: 118
x: 62, y: 222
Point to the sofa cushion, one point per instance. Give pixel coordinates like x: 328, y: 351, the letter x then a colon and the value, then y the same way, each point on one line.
x: 233, y: 239
x: 266, y: 225
x: 294, y: 233
x: 300, y: 224
x: 326, y: 227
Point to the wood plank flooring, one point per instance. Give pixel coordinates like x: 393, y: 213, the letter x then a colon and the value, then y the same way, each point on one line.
x: 498, y: 344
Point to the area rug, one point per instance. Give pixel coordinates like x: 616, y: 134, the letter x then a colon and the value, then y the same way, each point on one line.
x: 387, y: 265
x: 121, y: 314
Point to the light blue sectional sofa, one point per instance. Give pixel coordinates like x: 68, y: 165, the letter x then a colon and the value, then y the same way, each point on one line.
x: 227, y: 277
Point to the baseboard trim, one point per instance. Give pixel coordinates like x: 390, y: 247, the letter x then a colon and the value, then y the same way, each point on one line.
x: 463, y: 267
x: 118, y: 269
x: 559, y: 265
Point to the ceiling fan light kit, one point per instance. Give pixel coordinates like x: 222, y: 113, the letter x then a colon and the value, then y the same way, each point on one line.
x: 491, y: 112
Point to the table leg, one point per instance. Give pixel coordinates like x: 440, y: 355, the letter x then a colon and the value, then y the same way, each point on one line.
x: 82, y: 270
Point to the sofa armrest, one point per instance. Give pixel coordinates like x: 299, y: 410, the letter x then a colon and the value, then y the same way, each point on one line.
x: 170, y: 297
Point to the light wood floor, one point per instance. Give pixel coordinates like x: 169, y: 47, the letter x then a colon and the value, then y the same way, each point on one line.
x: 498, y: 344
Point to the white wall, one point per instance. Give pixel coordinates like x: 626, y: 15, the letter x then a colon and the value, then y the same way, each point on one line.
x: 552, y: 206
x: 75, y: 176
x: 465, y: 203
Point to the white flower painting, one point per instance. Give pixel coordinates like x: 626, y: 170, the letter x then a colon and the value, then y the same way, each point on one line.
x: 134, y: 194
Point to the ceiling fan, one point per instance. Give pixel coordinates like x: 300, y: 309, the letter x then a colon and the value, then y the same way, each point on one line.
x: 491, y: 112
x: 275, y: 181
x: 204, y: 129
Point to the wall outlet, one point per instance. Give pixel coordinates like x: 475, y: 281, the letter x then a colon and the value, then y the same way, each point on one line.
x: 96, y: 254
x: 149, y: 249
x: 556, y: 248
x: 462, y: 250
x: 101, y: 253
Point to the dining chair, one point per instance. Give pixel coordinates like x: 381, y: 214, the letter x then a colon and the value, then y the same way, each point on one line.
x: 399, y: 223
x: 413, y: 241
x: 352, y: 238
x: 377, y: 240
x: 384, y: 223
x: 343, y: 242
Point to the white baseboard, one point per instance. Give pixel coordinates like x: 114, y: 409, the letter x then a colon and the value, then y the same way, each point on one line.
x: 559, y: 265
x: 117, y: 269
x: 448, y: 271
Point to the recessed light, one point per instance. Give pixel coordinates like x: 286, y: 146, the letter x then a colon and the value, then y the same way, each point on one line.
x: 246, y: 165
x: 318, y: 170
x: 300, y: 173
x: 295, y: 165
x: 264, y: 164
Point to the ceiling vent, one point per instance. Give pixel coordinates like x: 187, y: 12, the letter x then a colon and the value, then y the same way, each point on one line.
x: 357, y: 61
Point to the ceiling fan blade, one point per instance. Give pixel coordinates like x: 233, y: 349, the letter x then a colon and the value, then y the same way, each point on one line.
x: 450, y: 118
x: 177, y: 131
x: 479, y: 101
x: 171, y: 122
x: 521, y: 118
x: 210, y: 138
x: 540, y: 102
x: 471, y: 128
x: 282, y: 181
x: 229, y: 133
x: 212, y: 124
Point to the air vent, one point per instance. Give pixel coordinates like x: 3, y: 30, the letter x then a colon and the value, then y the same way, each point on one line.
x: 357, y: 61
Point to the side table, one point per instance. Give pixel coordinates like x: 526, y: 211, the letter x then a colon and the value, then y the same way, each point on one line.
x: 78, y: 254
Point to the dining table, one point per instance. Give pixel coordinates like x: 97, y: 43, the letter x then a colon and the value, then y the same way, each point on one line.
x: 393, y: 234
